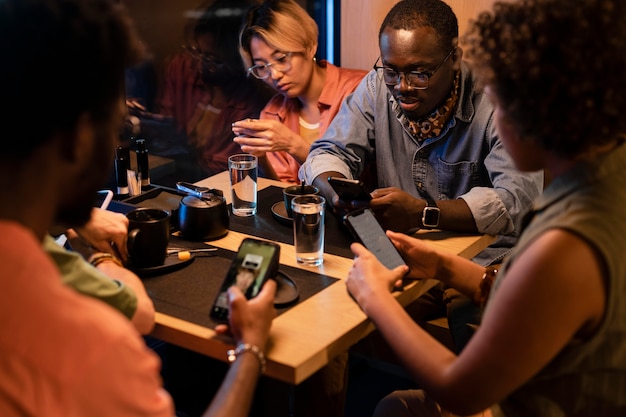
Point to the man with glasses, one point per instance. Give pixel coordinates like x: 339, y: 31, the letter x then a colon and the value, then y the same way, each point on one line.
x: 425, y: 125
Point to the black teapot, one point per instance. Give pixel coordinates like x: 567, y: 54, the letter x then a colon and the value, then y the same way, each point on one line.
x: 203, y: 218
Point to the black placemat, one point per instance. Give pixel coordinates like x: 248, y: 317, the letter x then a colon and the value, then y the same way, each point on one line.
x: 336, y: 241
x: 337, y: 237
x: 189, y: 292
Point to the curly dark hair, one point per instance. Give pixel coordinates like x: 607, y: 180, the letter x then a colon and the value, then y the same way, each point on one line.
x: 557, y: 68
x: 412, y: 14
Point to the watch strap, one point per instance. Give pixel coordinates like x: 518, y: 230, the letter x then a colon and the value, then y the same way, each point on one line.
x: 430, y: 214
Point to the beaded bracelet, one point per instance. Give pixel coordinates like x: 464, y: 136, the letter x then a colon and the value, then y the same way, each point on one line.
x: 232, y: 354
x: 482, y: 292
x: 99, y: 257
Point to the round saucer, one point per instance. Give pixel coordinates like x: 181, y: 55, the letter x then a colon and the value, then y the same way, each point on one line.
x: 279, y: 212
x: 286, y: 290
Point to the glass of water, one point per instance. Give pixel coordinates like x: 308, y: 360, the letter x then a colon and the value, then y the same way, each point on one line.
x: 308, y: 228
x: 243, y: 183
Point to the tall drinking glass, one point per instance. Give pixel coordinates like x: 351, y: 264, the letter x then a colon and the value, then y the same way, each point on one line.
x: 308, y: 228
x: 243, y: 182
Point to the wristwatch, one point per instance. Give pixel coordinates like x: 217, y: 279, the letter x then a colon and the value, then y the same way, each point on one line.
x: 430, y: 215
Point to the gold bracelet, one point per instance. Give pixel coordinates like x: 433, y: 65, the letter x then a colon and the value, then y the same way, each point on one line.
x: 232, y: 354
x: 482, y: 292
x: 99, y: 257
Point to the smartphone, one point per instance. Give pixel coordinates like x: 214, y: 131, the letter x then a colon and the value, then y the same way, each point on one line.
x: 366, y: 230
x: 349, y: 190
x: 103, y: 199
x: 255, y: 262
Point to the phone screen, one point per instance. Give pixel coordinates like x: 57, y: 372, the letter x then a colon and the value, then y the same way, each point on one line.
x: 255, y: 262
x: 368, y: 231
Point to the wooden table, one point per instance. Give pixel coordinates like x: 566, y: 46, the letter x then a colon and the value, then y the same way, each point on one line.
x: 307, y: 336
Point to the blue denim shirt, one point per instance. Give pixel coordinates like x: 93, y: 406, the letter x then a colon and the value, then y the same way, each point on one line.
x: 467, y: 160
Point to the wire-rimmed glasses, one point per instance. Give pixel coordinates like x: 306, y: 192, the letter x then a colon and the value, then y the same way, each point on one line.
x: 281, y: 64
x: 415, y: 79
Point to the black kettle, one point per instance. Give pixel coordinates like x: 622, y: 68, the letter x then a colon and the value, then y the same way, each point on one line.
x: 203, y: 218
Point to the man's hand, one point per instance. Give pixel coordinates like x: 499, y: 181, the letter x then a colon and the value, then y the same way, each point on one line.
x: 397, y: 210
x: 106, y: 231
x: 250, y: 320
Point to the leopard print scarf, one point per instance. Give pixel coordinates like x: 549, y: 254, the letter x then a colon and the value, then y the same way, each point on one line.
x: 432, y: 125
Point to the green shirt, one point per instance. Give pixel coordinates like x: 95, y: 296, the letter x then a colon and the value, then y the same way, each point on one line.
x: 88, y: 280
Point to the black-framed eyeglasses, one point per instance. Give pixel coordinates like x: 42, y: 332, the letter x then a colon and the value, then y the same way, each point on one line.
x: 415, y: 79
x: 281, y: 64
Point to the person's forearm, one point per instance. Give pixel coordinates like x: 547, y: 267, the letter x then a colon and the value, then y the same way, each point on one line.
x: 321, y: 182
x: 460, y: 273
x: 455, y: 215
x: 300, y: 149
x: 235, y: 395
x: 143, y: 319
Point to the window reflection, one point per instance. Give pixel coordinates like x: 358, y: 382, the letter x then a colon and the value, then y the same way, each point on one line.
x: 194, y: 87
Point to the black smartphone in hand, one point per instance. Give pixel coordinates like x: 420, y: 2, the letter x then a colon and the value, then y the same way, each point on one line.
x: 349, y: 190
x: 366, y: 230
x: 256, y: 261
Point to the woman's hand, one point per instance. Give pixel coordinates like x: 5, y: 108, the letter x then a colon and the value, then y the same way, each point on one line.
x: 368, y: 278
x: 257, y: 137
x: 250, y: 320
x: 422, y: 260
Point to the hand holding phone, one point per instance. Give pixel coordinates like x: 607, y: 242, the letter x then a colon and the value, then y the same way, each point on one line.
x: 255, y: 262
x: 101, y: 200
x: 349, y: 190
x: 366, y: 229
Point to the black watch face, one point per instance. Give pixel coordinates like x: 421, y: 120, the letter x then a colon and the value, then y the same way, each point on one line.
x: 430, y: 217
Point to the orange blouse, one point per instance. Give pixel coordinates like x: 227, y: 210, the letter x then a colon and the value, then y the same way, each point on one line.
x: 340, y: 82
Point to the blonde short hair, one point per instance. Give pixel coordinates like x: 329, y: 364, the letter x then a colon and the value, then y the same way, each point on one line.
x: 282, y: 24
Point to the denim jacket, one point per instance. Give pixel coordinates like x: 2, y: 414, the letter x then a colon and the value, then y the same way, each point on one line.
x: 467, y: 160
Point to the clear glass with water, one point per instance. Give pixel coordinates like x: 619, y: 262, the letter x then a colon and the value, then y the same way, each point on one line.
x: 243, y: 181
x: 308, y: 229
